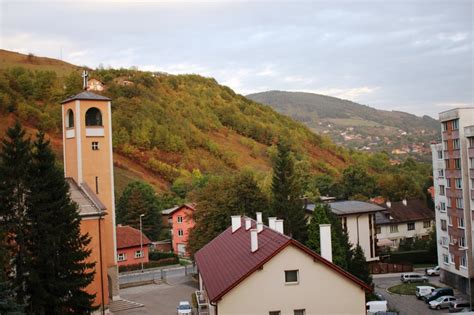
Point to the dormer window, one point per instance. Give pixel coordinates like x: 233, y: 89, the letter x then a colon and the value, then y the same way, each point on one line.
x: 93, y: 117
x: 70, y: 119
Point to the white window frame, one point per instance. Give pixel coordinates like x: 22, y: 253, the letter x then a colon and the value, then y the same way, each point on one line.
x: 463, y: 261
x: 179, y: 219
x: 411, y: 224
x: 139, y: 254
x: 393, y: 228
x: 461, y: 223
x: 445, y: 259
x: 455, y: 124
x: 456, y: 144
x: 121, y: 256
x: 297, y: 276
x: 458, y: 183
x: 459, y: 203
x: 442, y: 206
x: 95, y: 146
x: 462, y: 241
x: 180, y: 233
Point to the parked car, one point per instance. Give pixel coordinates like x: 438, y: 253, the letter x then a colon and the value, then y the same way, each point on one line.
x: 413, y: 277
x: 436, y: 293
x: 458, y: 306
x: 423, y: 290
x: 442, y: 302
x: 373, y: 307
x: 432, y: 271
x: 184, y: 308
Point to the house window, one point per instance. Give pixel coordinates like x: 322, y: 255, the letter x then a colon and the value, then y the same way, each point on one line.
x: 291, y: 276
x: 450, y: 220
x: 426, y: 224
x: 93, y: 117
x: 70, y: 119
x: 441, y: 173
x: 449, y: 202
x: 442, y: 206
x: 180, y: 232
x: 461, y: 222
x: 448, y: 183
x: 138, y: 254
x: 378, y: 230
x: 445, y: 259
x: 441, y: 190
x: 445, y: 126
x: 444, y: 241
x: 463, y: 261
x: 121, y: 257
x: 446, y: 164
x: 472, y: 160
x: 456, y: 144
x: 443, y: 225
x: 180, y: 219
x: 458, y: 183
x: 451, y: 258
x: 457, y: 164
x: 445, y: 144
x: 411, y: 226
x: 462, y: 242
x: 455, y: 124
x: 471, y: 142
x: 440, y: 155
x: 459, y: 203
x: 299, y: 312
x: 274, y: 313
x: 95, y: 145
x: 393, y: 228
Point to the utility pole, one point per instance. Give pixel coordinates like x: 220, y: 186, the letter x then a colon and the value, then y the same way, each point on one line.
x: 141, y: 240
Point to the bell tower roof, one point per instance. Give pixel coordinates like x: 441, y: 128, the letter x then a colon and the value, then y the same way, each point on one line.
x: 86, y: 96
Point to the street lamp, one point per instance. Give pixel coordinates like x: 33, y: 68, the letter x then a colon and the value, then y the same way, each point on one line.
x: 141, y: 240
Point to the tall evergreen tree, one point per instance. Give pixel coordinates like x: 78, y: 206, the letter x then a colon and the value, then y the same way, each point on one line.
x: 341, y: 247
x: 14, y: 166
x: 358, y: 266
x: 287, y: 194
x: 140, y: 198
x: 58, y: 273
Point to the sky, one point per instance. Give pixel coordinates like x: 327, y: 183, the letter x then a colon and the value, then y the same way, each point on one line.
x: 409, y: 55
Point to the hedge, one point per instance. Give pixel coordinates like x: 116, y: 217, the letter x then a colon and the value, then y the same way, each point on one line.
x: 151, y: 264
x: 161, y: 255
x: 413, y: 257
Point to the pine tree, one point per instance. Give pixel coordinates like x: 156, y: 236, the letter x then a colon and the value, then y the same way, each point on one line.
x: 14, y: 165
x: 140, y: 198
x: 341, y: 247
x: 287, y: 201
x: 358, y: 266
x: 58, y: 273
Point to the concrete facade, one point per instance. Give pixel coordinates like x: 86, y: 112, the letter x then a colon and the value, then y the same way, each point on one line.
x: 388, y: 232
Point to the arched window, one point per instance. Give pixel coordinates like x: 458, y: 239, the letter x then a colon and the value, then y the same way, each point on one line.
x: 70, y: 119
x: 93, y: 117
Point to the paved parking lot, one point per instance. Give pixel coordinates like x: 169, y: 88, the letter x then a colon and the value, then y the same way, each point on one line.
x: 160, y: 298
x: 406, y: 304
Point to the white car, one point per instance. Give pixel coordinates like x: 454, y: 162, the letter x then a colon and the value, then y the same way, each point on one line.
x: 423, y: 290
x: 442, y: 302
x: 432, y: 271
x: 184, y: 308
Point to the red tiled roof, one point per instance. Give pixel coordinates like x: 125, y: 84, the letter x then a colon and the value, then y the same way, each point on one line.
x: 227, y: 260
x: 128, y: 236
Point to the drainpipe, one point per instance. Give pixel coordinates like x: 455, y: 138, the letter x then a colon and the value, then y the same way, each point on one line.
x: 101, y: 265
x: 357, y: 221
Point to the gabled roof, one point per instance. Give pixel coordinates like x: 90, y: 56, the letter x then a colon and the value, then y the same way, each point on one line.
x: 88, y: 203
x: 227, y: 260
x: 415, y: 210
x: 128, y: 236
x: 170, y: 211
x: 86, y: 95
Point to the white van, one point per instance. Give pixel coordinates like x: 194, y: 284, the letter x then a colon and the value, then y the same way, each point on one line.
x: 373, y: 307
x: 423, y: 290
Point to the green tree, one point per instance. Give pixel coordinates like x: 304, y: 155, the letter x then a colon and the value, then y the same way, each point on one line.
x: 15, y: 160
x: 358, y: 266
x: 58, y: 273
x: 140, y: 198
x: 287, y: 193
x: 356, y: 181
x: 341, y: 247
x: 219, y: 200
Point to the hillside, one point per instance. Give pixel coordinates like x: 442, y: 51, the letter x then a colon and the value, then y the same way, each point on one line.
x: 354, y: 125
x: 164, y: 126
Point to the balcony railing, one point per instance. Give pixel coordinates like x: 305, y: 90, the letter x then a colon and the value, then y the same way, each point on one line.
x: 452, y: 173
x: 452, y: 192
x: 455, y: 154
x: 202, y: 302
x: 454, y: 134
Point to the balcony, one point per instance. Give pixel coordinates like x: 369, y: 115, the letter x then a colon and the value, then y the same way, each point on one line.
x: 455, y: 154
x: 202, y: 302
x: 470, y: 152
x: 454, y: 134
x: 452, y: 173
x: 451, y: 192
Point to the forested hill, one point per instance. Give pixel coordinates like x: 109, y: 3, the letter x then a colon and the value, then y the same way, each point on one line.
x: 355, y: 125
x: 164, y: 126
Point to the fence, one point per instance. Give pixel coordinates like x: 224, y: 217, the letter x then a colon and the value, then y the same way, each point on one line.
x: 377, y: 267
x: 136, y: 278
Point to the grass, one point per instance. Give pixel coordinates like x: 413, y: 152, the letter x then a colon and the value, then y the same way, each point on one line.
x: 407, y: 288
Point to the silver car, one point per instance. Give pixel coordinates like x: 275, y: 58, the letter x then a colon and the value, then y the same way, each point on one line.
x: 442, y: 302
x: 413, y: 277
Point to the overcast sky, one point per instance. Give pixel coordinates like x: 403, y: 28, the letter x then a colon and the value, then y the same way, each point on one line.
x: 414, y: 56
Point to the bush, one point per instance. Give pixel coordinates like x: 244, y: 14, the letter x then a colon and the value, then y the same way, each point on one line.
x: 413, y: 257
x: 151, y: 264
x: 160, y: 255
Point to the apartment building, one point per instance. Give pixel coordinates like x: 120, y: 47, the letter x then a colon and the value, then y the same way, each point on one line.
x: 453, y: 176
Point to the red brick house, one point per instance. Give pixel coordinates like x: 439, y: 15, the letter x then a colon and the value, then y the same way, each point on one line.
x: 128, y: 246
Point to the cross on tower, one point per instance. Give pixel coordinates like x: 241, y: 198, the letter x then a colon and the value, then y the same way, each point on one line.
x: 85, y: 77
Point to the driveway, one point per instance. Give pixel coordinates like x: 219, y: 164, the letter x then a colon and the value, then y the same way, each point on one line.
x: 160, y: 298
x: 406, y: 304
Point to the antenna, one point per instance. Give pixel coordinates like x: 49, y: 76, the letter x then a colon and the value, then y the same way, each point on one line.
x: 85, y: 77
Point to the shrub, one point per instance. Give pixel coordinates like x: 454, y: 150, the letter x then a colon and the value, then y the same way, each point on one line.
x: 153, y: 256
x: 151, y: 264
x: 413, y: 257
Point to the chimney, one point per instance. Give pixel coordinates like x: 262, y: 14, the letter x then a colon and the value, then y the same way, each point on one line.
x: 259, y: 217
x: 325, y: 240
x: 271, y: 222
x: 388, y: 203
x: 248, y: 223
x: 279, y: 226
x: 235, y: 222
x: 253, y: 240
x: 404, y: 201
x: 259, y: 227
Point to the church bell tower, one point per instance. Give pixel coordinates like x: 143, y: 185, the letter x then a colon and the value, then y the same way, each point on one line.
x: 88, y: 162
